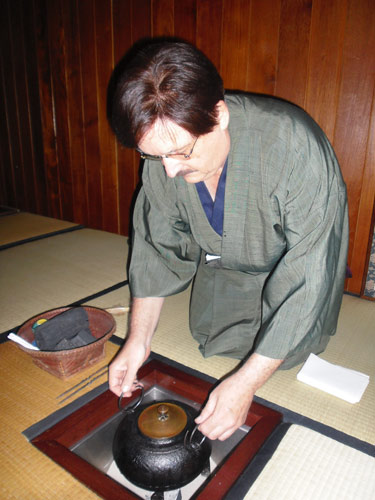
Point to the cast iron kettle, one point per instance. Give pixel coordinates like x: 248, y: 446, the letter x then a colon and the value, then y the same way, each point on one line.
x: 157, y: 446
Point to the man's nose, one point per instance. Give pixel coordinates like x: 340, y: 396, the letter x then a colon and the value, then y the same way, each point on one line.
x: 172, y: 166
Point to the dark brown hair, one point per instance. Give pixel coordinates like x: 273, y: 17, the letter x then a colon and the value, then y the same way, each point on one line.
x: 164, y: 80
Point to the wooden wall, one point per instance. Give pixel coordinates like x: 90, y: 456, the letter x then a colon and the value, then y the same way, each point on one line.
x: 58, y: 155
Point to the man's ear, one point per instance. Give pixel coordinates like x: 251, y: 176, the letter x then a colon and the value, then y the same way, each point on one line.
x: 222, y: 115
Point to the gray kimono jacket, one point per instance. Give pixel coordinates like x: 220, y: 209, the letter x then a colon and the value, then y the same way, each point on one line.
x: 278, y: 286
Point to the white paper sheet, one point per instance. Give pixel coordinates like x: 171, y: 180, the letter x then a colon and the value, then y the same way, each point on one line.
x: 339, y: 381
x: 21, y: 341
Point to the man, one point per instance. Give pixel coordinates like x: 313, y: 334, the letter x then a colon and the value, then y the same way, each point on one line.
x: 243, y: 195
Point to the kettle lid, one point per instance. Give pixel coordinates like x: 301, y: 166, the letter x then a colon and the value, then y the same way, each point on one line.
x: 162, y: 420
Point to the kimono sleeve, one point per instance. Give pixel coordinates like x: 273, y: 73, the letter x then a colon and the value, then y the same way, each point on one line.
x: 303, y: 294
x: 164, y: 254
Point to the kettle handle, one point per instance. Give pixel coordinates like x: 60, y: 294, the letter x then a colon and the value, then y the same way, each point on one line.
x: 130, y: 408
x: 188, y: 441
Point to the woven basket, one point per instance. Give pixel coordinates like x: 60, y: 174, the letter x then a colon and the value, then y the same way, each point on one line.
x: 64, y: 364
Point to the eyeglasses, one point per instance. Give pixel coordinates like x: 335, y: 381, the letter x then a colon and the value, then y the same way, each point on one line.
x: 185, y: 156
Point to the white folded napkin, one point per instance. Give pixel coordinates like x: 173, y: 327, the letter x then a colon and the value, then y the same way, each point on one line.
x: 336, y: 380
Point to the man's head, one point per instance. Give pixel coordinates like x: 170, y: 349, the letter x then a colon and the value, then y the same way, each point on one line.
x: 165, y: 81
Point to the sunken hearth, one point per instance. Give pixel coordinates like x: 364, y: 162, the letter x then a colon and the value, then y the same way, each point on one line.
x: 82, y: 442
x: 96, y: 449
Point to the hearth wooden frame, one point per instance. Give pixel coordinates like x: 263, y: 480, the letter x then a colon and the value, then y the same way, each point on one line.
x: 57, y: 441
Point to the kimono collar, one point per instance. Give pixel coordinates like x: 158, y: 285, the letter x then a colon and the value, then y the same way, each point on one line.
x: 237, y: 186
x: 236, y: 203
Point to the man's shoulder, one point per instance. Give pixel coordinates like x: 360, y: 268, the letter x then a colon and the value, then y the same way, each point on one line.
x: 264, y: 105
x: 267, y: 114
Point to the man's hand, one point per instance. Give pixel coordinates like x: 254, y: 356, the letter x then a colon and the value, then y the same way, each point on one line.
x: 144, y: 318
x: 227, y: 407
x: 123, y: 370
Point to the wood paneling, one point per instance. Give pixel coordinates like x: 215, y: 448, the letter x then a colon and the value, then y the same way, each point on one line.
x: 48, y: 126
x: 294, y: 36
x: 263, y: 46
x: 75, y: 113
x: 163, y: 18
x: 58, y: 155
x: 13, y: 177
x: 235, y: 43
x: 323, y: 86
x: 36, y: 161
x: 209, y: 23
x: 91, y: 149
x: 352, y: 127
x: 185, y: 19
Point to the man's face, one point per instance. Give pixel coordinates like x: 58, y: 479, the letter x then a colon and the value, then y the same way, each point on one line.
x: 209, y: 151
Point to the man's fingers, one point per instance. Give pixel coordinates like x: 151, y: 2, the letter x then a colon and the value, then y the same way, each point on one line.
x: 225, y: 435
x: 129, y: 382
x: 115, y: 379
x: 207, y: 411
x: 123, y: 370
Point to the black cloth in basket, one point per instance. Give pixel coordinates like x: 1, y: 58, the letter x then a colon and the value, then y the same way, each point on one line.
x: 67, y: 330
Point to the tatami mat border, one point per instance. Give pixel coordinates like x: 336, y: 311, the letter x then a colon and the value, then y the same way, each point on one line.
x: 41, y: 237
x: 4, y: 335
x: 292, y: 417
x: 4, y: 211
x: 257, y: 464
x: 100, y: 294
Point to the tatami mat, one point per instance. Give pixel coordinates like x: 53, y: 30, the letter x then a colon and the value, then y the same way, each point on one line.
x: 353, y: 346
x: 27, y: 395
x: 57, y: 271
x: 23, y: 225
x: 63, y: 269
x: 309, y: 466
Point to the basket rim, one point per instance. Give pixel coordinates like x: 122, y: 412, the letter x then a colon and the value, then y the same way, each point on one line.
x: 67, y: 352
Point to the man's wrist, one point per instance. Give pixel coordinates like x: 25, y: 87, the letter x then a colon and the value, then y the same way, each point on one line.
x: 257, y: 370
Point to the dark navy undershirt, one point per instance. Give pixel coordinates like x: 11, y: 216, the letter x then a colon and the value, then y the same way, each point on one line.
x: 214, y: 209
